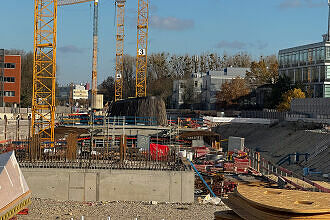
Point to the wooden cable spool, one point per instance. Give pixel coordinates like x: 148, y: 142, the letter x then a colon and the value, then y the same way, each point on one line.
x: 285, y: 200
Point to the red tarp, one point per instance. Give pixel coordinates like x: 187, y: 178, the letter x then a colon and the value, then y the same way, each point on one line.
x: 158, y: 151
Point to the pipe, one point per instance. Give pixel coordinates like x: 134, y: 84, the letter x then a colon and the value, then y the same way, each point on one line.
x: 200, y: 176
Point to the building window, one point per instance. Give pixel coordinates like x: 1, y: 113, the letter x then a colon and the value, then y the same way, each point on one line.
x: 10, y: 65
x: 282, y: 60
x: 327, y: 74
x: 301, y: 58
x: 323, y: 73
x: 305, y: 74
x: 295, y: 59
x: 196, y: 84
x: 326, y: 91
x: 7, y: 93
x: 327, y: 55
x: 291, y: 75
x: 181, y: 85
x: 7, y: 79
x: 322, y: 54
x: 314, y: 74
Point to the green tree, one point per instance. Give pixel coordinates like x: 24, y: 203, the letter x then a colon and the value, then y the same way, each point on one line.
x: 287, y: 98
x: 107, y: 88
x: 282, y: 85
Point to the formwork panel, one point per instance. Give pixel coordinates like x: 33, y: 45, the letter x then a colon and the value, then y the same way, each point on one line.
x: 91, y: 186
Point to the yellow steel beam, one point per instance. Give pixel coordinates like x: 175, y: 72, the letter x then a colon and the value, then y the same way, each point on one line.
x: 142, y: 44
x: 120, y: 49
x: 71, y: 2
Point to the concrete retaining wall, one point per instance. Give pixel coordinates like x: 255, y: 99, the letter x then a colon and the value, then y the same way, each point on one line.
x: 110, y: 185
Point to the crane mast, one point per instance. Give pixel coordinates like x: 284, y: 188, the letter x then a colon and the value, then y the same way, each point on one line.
x: 94, y: 65
x: 71, y: 2
x: 44, y: 69
x: 142, y: 44
x: 120, y: 7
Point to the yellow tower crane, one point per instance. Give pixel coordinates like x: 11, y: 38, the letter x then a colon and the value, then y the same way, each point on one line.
x: 120, y: 7
x: 44, y: 67
x: 142, y: 46
x: 94, y: 65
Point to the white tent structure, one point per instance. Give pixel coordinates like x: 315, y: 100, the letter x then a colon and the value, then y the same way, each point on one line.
x: 14, y: 191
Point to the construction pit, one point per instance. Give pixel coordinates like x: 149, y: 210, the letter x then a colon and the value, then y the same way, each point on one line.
x: 122, y: 169
x: 141, y: 169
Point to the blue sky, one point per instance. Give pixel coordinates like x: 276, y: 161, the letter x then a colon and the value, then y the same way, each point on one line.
x: 259, y: 27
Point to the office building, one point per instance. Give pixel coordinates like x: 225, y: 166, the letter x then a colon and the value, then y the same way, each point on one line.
x: 10, y: 79
x: 309, y: 66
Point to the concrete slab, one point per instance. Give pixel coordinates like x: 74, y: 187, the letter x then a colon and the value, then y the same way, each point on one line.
x: 90, y: 186
x: 77, y: 179
x: 77, y: 194
x: 111, y: 185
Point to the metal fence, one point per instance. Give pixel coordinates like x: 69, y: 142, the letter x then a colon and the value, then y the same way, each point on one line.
x: 84, y: 119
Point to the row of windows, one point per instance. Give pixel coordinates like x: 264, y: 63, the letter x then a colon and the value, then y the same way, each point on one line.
x: 7, y: 93
x: 304, y: 57
x: 8, y: 65
x: 326, y: 91
x: 317, y: 74
x: 7, y: 79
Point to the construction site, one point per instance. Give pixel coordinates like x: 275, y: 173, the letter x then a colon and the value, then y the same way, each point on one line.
x: 132, y: 158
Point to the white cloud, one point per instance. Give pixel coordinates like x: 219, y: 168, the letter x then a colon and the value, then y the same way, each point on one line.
x: 171, y: 23
x: 285, y: 4
x: 239, y: 45
x: 70, y: 49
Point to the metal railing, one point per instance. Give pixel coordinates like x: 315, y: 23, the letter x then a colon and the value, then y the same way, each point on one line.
x: 267, y: 168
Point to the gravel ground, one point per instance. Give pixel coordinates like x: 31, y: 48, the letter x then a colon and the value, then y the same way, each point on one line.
x: 52, y: 209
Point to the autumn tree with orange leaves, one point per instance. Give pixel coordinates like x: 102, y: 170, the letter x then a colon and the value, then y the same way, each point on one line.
x: 231, y: 91
x: 264, y: 71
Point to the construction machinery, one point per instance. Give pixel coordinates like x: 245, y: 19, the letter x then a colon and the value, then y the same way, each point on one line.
x: 44, y: 66
x: 120, y: 7
x: 142, y: 45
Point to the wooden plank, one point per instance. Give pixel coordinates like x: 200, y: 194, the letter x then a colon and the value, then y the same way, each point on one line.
x: 226, y: 215
x: 239, y: 210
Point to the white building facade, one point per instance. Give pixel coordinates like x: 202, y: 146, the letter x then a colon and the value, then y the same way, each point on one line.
x: 205, y: 86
